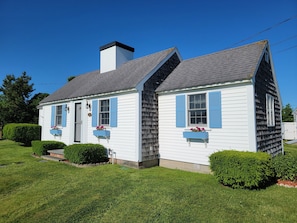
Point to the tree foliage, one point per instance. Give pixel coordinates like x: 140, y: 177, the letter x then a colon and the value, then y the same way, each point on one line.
x: 287, y: 114
x: 70, y: 78
x: 16, y: 103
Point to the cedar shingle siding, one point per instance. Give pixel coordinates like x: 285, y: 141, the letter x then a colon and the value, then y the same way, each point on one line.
x: 269, y: 139
x: 150, y: 140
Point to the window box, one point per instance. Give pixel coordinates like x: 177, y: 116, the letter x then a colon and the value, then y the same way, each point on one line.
x: 101, y: 133
x: 196, y: 135
x: 56, y: 132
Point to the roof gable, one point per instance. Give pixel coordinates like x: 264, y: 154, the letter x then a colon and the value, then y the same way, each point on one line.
x: 231, y: 65
x: 126, y: 77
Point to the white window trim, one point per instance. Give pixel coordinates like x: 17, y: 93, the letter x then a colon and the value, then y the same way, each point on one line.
x: 188, y: 110
x: 58, y: 115
x: 270, y: 114
x: 99, y: 112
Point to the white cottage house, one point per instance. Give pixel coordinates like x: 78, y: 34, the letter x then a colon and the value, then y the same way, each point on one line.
x: 148, y: 105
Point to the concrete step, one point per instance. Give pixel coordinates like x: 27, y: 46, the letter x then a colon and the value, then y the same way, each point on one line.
x: 48, y: 157
x: 57, y: 153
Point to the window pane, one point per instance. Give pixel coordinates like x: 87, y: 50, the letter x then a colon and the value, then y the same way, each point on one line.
x: 104, y: 105
x: 197, y: 109
x: 270, y: 110
x: 58, y: 115
x: 59, y: 110
x: 104, y: 112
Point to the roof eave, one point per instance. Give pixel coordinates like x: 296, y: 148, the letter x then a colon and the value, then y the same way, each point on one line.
x: 131, y: 90
x: 206, y: 87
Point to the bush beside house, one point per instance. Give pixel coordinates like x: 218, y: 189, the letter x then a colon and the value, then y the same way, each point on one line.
x: 41, y: 147
x: 285, y: 166
x: 22, y: 132
x: 238, y: 169
x: 85, y: 153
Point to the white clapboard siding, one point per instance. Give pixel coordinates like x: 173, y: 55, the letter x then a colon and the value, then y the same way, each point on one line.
x: 234, y: 134
x: 124, y: 139
x: 46, y: 126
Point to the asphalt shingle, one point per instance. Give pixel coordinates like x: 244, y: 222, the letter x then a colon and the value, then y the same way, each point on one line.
x: 230, y: 65
x: 125, y: 77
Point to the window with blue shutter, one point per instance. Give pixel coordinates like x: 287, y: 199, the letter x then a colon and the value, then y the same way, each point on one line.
x: 58, y: 115
x: 94, y: 113
x: 180, y: 108
x: 113, y: 112
x: 215, y: 109
x: 105, y: 112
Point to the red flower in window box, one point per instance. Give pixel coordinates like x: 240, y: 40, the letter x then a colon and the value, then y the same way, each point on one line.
x: 197, y: 129
x: 101, y: 127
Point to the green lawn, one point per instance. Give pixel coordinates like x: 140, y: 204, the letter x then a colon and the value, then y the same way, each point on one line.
x: 34, y: 190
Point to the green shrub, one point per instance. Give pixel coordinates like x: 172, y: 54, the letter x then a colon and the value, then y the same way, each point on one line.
x: 9, y: 131
x: 238, y: 169
x: 85, y: 153
x: 22, y: 132
x: 41, y: 147
x: 285, y: 166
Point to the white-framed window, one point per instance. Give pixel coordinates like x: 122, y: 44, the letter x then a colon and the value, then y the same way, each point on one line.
x: 58, y: 115
x: 270, y: 110
x: 104, y: 112
x: 197, y: 110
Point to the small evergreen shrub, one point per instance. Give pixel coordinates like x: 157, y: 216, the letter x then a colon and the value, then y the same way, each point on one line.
x: 85, y: 153
x: 285, y: 166
x: 22, y: 132
x: 41, y: 147
x: 238, y: 169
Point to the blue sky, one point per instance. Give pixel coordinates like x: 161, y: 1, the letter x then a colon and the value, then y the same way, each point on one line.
x: 52, y: 40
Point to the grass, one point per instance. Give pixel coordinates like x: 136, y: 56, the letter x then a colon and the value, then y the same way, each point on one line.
x: 290, y: 148
x: 34, y: 190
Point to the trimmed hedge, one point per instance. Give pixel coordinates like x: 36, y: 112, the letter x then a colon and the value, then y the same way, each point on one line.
x: 285, y: 166
x: 41, y: 147
x: 238, y: 169
x: 85, y: 153
x: 22, y: 132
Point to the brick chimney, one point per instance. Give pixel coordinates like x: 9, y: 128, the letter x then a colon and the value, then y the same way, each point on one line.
x: 113, y: 55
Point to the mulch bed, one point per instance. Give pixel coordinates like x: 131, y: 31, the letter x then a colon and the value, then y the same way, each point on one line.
x: 287, y: 183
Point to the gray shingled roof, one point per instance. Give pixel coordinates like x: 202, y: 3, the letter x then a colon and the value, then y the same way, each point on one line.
x: 231, y: 65
x: 125, y: 77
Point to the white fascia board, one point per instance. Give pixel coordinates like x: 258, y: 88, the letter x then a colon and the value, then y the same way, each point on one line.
x: 90, y: 96
x: 274, y: 77
x: 207, y: 87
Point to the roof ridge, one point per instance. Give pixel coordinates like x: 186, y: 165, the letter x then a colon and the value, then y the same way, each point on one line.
x: 151, y: 54
x: 229, y: 49
x: 98, y: 70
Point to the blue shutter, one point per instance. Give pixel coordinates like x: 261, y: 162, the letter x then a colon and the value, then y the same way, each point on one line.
x: 64, y: 115
x: 94, y: 113
x: 113, y: 112
x: 215, y: 109
x: 180, y: 110
x: 53, y: 116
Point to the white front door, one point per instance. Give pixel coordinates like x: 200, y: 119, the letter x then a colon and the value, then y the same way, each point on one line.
x: 77, y: 123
